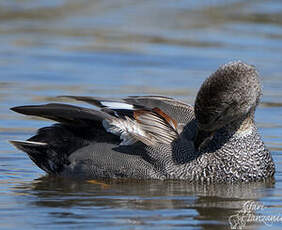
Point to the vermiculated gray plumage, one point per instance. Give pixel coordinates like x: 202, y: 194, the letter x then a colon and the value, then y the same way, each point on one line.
x: 155, y: 137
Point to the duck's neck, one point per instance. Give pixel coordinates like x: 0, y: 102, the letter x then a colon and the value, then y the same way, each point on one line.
x: 241, y: 126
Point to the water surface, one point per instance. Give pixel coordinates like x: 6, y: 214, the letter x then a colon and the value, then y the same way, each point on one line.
x: 119, y: 48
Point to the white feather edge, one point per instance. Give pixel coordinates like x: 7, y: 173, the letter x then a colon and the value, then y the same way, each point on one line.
x: 116, y: 105
x: 28, y: 142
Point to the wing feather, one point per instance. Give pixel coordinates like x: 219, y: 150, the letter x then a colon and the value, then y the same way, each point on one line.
x: 148, y: 126
x: 63, y: 113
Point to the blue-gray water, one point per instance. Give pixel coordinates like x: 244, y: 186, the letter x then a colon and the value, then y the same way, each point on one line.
x: 118, y: 48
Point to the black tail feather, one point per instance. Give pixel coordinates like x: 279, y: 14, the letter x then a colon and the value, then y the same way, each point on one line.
x: 42, y: 155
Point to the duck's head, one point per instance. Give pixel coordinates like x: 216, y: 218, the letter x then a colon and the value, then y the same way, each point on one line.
x: 230, y: 94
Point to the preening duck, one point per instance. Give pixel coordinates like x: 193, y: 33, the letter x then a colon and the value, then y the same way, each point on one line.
x: 156, y: 137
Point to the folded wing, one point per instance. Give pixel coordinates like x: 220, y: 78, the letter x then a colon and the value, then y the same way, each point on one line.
x: 179, y: 111
x: 148, y: 119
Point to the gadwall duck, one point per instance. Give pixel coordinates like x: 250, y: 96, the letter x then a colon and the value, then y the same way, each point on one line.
x: 155, y: 137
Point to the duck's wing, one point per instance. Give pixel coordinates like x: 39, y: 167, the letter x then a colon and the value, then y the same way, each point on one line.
x: 63, y: 113
x: 145, y: 125
x: 177, y: 110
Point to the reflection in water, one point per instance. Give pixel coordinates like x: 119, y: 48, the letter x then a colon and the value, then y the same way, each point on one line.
x: 212, y: 203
